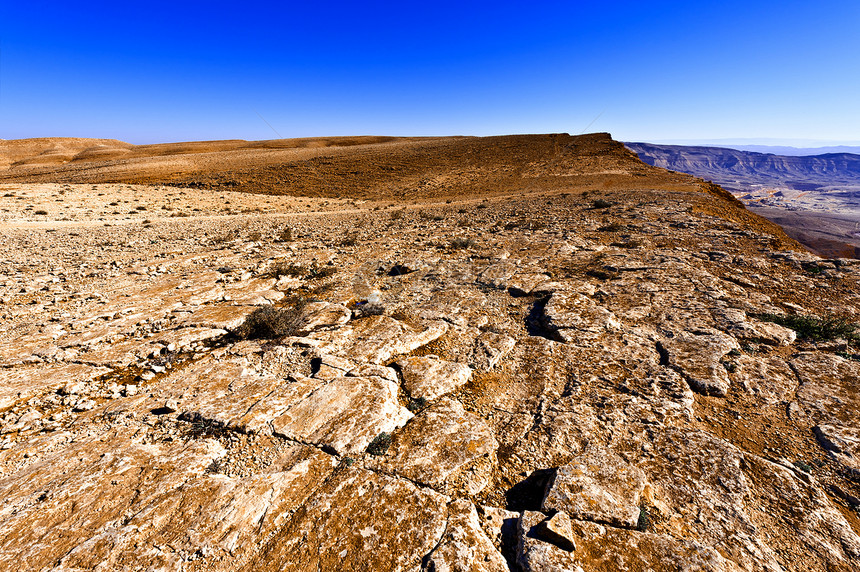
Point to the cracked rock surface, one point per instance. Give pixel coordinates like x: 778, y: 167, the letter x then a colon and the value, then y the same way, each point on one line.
x: 537, y: 353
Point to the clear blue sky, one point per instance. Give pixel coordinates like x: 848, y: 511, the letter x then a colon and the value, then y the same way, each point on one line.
x: 650, y: 70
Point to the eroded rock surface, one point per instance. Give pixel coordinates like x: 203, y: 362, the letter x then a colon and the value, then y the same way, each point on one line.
x: 577, y: 373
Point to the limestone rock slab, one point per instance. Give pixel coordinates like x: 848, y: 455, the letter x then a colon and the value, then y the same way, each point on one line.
x: 828, y: 391
x: 346, y: 414
x: 537, y: 555
x: 573, y: 315
x: 316, y: 315
x: 490, y: 348
x: 843, y: 443
x: 598, y: 486
x: 439, y: 443
x: 358, y: 520
x: 696, y: 355
x: 429, y: 377
x: 375, y: 339
x: 219, y: 316
x: 21, y: 383
x: 464, y: 546
x: 602, y: 547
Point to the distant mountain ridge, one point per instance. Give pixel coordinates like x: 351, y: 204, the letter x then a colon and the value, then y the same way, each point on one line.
x: 742, y: 170
x: 794, y: 151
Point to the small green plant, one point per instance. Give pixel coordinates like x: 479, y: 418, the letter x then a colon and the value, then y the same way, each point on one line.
x: 815, y: 328
x: 416, y: 404
x: 730, y: 367
x: 802, y: 466
x: 380, y: 444
x: 364, y: 308
x: 644, y: 520
x: 269, y: 322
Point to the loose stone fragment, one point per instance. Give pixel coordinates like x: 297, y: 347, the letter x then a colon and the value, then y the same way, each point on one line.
x: 537, y: 555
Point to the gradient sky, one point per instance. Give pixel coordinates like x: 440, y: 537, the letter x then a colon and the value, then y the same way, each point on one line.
x: 644, y: 71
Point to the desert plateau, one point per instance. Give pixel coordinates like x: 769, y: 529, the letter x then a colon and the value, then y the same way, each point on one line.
x: 513, y: 353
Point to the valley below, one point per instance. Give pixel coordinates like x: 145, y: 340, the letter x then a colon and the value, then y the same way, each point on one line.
x: 822, y: 192
x: 518, y: 353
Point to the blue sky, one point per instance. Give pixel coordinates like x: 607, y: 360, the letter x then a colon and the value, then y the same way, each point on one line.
x: 645, y: 71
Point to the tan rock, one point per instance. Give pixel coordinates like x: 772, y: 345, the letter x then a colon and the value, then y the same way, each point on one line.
x: 490, y: 349
x: 316, y: 315
x: 574, y: 316
x: 598, y: 486
x: 345, y: 414
x: 534, y: 554
x: 464, y: 547
x: 439, y: 444
x: 219, y: 316
x: 24, y: 382
x: 556, y: 530
x: 361, y: 520
x: 696, y: 355
x: 375, y: 339
x: 430, y: 377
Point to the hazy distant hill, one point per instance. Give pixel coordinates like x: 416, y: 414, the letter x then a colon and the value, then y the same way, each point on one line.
x: 743, y: 170
x: 797, y: 151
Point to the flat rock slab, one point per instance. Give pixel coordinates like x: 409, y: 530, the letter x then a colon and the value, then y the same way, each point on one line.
x: 154, y: 491
x: 829, y: 391
x: 218, y: 390
x: 21, y: 383
x: 118, y: 354
x: 346, y: 414
x: 696, y: 355
x: 736, y: 323
x: 219, y: 316
x: 111, y: 476
x: 464, y: 546
x: 317, y: 315
x: 460, y: 307
x: 375, y: 339
x: 358, y: 520
x: 437, y: 445
x: 573, y: 315
x: 429, y: 377
x: 599, y: 486
x: 607, y: 548
x: 253, y: 292
x: 843, y: 443
x: 498, y: 274
x: 490, y: 348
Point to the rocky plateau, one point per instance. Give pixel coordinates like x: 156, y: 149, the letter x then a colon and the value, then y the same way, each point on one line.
x: 523, y: 353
